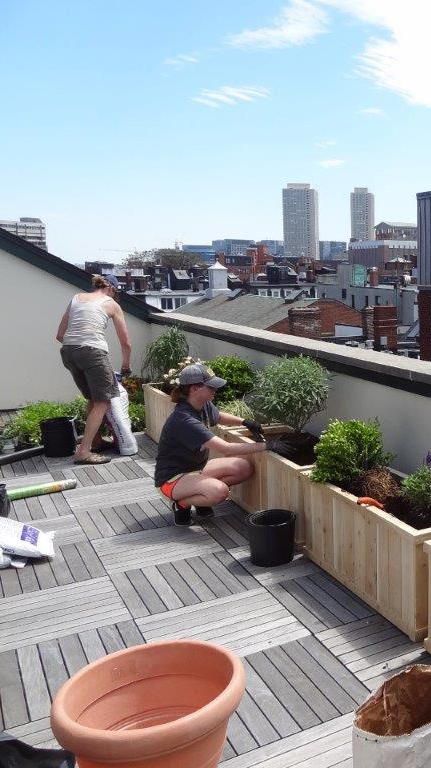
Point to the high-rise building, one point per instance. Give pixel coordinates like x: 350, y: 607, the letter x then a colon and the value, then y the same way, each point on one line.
x: 33, y: 230
x: 331, y: 249
x: 300, y: 221
x: 424, y: 238
x: 362, y: 214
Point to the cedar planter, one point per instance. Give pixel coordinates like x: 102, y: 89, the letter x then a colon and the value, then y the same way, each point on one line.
x: 427, y: 550
x: 275, y: 484
x: 375, y: 555
x: 158, y: 406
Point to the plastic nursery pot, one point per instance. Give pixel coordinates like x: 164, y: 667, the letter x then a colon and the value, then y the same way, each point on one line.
x: 161, y: 705
x: 272, y: 537
x: 58, y: 436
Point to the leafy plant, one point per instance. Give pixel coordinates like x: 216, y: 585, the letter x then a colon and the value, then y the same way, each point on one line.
x: 348, y: 448
x: 165, y: 353
x: 289, y: 391
x: 238, y: 373
x: 417, y: 489
x: 24, y: 428
x: 236, y: 408
x: 137, y: 416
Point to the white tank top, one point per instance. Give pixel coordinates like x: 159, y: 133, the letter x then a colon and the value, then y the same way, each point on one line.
x: 87, y: 324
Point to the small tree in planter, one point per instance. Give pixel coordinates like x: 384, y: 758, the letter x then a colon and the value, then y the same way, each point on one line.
x: 291, y: 391
x: 350, y: 454
x: 164, y: 353
x: 237, y: 372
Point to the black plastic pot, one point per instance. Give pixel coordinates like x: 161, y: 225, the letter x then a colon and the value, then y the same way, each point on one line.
x: 272, y: 537
x: 58, y: 436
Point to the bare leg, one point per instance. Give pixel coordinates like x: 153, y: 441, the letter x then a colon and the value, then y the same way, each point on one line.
x: 95, y: 414
x: 211, y: 485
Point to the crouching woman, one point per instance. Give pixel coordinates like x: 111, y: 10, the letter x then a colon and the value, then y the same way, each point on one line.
x: 184, y: 473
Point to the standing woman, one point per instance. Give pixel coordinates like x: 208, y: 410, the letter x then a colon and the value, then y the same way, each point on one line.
x: 85, y: 354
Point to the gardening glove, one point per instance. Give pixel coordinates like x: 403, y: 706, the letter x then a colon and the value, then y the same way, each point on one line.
x: 283, y: 449
x: 255, y: 428
x: 125, y: 371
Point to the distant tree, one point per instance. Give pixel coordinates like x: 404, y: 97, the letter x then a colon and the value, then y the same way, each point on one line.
x: 137, y: 259
x: 170, y: 257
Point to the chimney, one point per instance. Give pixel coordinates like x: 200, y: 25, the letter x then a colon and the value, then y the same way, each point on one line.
x: 368, y: 322
x: 374, y: 277
x: 424, y: 307
x: 305, y: 321
x: 385, y: 328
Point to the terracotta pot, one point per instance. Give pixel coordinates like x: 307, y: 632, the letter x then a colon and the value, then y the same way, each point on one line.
x: 162, y: 705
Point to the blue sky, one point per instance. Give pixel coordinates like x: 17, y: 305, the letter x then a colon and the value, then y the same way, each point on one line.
x: 132, y: 123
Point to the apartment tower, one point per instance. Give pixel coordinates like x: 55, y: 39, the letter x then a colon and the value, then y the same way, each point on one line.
x: 362, y: 214
x: 300, y: 221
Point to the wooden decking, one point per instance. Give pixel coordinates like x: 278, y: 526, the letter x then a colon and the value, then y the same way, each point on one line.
x: 123, y: 574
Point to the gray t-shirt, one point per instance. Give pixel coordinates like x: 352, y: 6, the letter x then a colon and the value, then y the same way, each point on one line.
x: 184, y: 433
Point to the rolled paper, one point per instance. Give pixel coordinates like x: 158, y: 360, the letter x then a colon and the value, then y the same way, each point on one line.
x: 40, y: 490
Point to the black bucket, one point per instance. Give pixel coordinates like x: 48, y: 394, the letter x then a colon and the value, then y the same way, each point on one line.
x: 4, y: 501
x: 272, y: 537
x: 58, y: 436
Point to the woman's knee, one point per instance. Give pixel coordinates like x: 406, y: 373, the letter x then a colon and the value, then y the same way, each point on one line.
x: 216, y: 490
x: 242, y: 468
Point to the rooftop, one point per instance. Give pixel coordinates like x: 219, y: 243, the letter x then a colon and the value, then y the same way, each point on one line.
x: 123, y: 575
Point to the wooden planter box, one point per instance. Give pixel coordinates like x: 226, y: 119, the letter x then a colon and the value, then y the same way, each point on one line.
x: 158, y: 406
x: 427, y: 550
x: 275, y: 484
x: 376, y: 556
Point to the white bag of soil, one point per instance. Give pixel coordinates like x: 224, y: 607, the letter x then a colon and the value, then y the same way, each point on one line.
x: 118, y: 419
x: 24, y: 540
x: 392, y: 729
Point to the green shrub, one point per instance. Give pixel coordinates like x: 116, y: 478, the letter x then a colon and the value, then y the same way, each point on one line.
x: 289, y: 391
x: 236, y: 408
x: 137, y: 416
x: 238, y: 373
x: 348, y: 448
x: 24, y: 428
x: 417, y: 489
x: 164, y: 353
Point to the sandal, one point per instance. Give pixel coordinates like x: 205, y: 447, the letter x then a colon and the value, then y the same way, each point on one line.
x: 93, y: 458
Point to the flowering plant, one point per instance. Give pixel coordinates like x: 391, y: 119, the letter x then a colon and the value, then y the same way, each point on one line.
x: 171, y: 378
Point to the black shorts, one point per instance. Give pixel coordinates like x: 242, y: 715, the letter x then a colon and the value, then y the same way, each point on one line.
x: 92, y: 372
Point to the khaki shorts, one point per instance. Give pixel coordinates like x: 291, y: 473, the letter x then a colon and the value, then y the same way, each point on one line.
x: 92, y: 372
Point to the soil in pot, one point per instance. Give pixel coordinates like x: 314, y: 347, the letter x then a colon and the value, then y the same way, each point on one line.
x: 381, y: 485
x: 300, y: 445
x: 377, y: 483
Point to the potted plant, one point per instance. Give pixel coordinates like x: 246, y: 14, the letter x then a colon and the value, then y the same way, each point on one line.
x: 239, y: 375
x: 376, y: 555
x: 163, y: 704
x: 287, y: 394
x: 161, y: 361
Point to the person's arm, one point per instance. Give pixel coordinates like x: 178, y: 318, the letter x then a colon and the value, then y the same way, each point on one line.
x: 233, y: 449
x: 123, y: 337
x: 228, y: 420
x: 62, y: 328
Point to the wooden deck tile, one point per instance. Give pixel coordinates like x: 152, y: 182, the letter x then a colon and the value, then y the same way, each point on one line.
x: 164, y: 545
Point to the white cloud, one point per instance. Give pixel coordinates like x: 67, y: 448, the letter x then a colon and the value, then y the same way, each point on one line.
x: 178, y: 62
x: 230, y: 95
x: 332, y: 163
x: 372, y: 111
x: 299, y: 22
x: 399, y: 60
x: 325, y: 143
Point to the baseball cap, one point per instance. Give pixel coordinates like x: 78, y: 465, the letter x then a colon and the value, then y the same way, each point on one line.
x: 198, y: 374
x: 112, y: 280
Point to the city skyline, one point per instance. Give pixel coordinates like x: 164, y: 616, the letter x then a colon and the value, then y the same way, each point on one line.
x: 138, y: 138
